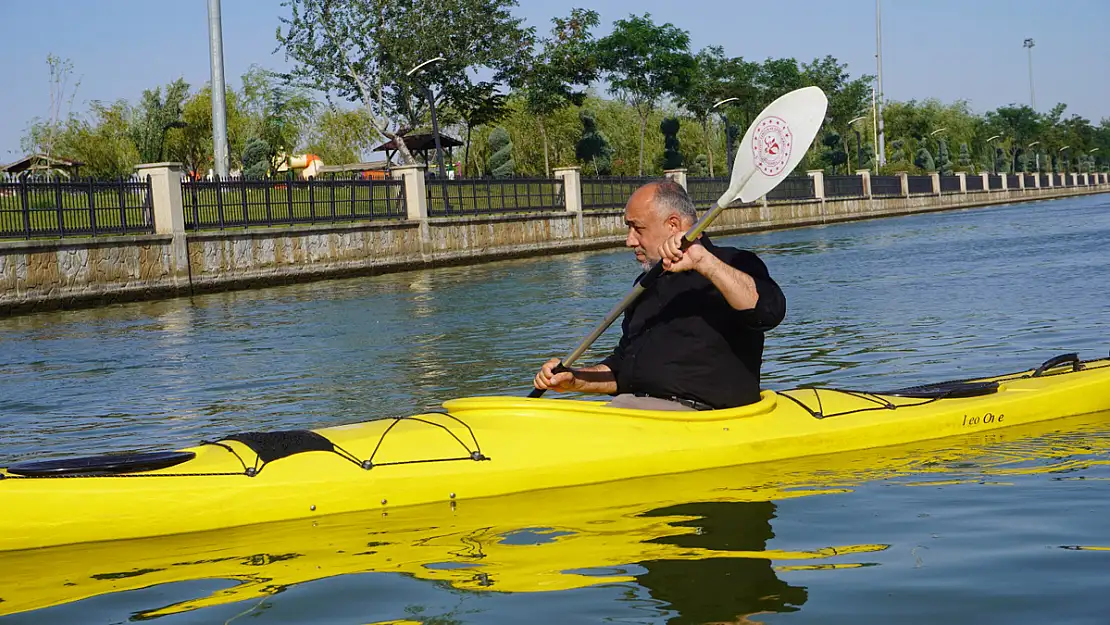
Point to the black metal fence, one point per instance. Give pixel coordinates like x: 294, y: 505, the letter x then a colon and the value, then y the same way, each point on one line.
x: 949, y: 184
x: 920, y: 184
x: 793, y: 188
x: 491, y: 196
x: 974, y: 182
x: 886, y: 185
x: 706, y: 191
x: 67, y: 208
x: 1030, y: 181
x: 994, y: 181
x: 240, y: 203
x: 844, y: 186
x: 612, y: 191
x: 1013, y: 181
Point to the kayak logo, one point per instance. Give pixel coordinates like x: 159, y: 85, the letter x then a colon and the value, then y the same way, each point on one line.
x: 772, y: 142
x: 986, y: 419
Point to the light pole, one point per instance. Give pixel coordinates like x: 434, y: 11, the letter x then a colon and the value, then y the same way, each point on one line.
x: 432, y: 103
x: 219, y: 94
x: 859, y: 148
x: 1037, y: 154
x: 931, y: 134
x: 1029, y: 43
x: 1091, y: 160
x: 994, y: 156
x: 879, y: 95
x: 1067, y: 168
x: 728, y: 139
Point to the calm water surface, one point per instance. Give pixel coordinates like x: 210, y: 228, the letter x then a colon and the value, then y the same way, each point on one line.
x: 1004, y: 533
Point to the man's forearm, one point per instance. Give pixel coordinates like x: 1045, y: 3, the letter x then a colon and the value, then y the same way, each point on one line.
x: 595, y: 379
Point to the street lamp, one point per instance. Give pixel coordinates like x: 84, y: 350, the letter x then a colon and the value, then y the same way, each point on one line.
x: 1028, y: 44
x: 1091, y: 161
x: 938, y: 147
x: 728, y: 139
x: 432, y: 104
x: 1037, y: 154
x: 994, y: 157
x: 859, y: 148
x: 1067, y: 167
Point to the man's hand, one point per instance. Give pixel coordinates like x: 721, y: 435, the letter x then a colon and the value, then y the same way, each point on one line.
x: 547, y: 380
x: 676, y: 260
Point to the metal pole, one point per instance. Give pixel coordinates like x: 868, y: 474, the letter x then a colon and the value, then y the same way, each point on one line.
x: 219, y: 106
x: 435, y: 134
x: 1029, y: 43
x: 879, y: 62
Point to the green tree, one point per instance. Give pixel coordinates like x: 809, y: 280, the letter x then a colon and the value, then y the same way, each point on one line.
x: 340, y: 136
x: 501, y: 157
x: 834, y: 154
x: 477, y: 106
x: 924, y: 159
x: 643, y: 62
x: 672, y: 154
x: 593, y: 148
x: 43, y: 135
x: 155, y: 116
x: 944, y: 162
x: 256, y: 159
x: 362, y: 50
x: 965, y: 156
x: 101, y: 140
x: 565, y: 60
x: 709, y: 80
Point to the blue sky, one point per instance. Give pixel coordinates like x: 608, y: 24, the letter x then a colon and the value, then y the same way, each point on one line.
x: 949, y: 49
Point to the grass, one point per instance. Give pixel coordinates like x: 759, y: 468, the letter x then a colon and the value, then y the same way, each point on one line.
x: 210, y: 205
x: 36, y: 210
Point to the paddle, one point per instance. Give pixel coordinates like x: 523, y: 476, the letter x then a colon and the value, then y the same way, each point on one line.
x: 771, y: 148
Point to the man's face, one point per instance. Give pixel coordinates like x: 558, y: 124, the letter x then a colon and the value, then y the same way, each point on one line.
x: 648, y: 227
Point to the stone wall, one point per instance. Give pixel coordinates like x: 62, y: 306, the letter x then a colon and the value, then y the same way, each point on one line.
x: 36, y: 275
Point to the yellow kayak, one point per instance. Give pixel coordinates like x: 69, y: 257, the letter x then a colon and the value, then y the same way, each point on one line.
x: 544, y: 541
x: 480, y: 447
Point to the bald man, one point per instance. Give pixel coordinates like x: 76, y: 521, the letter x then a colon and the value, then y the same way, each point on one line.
x: 694, y: 341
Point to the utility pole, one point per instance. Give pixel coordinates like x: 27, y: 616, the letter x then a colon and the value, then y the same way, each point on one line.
x: 1029, y: 43
x: 879, y: 61
x: 219, y: 92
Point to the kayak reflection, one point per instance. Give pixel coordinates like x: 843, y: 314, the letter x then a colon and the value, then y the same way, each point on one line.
x: 720, y: 589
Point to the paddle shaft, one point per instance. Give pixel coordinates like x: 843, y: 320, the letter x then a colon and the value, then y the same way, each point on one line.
x: 644, y: 284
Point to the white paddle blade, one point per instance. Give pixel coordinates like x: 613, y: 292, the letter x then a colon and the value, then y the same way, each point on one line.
x: 775, y: 143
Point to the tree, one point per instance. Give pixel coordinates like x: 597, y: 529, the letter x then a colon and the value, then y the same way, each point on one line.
x: 924, y: 159
x: 965, y: 156
x: 256, y: 159
x: 43, y: 135
x: 363, y: 49
x: 101, y: 141
x: 672, y: 156
x: 155, y: 116
x: 834, y: 154
x: 565, y: 59
x: 593, y: 148
x: 643, y: 62
x: 501, y: 157
x: 709, y: 79
x: 944, y: 163
x: 341, y: 135
x: 479, y: 105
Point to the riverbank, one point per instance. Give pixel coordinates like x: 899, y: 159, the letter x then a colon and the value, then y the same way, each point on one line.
x: 66, y: 273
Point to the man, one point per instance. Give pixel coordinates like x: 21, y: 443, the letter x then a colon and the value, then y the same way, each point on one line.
x: 694, y: 340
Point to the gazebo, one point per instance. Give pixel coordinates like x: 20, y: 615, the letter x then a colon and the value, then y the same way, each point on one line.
x: 421, y: 144
x: 41, y: 163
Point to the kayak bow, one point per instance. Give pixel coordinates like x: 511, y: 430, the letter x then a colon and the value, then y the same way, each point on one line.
x: 491, y: 446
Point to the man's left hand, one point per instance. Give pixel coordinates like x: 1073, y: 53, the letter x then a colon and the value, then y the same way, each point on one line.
x: 676, y: 260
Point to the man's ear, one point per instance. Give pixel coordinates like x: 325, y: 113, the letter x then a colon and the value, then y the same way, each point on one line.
x: 674, y: 222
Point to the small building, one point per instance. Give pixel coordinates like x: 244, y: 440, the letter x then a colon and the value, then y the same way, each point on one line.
x: 42, y: 166
x: 421, y: 144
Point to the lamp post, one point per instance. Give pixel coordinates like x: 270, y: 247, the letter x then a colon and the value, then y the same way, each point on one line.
x: 728, y: 139
x: 1091, y: 160
x: 859, y: 147
x: 1067, y: 168
x: 1028, y: 44
x: 432, y: 103
x: 994, y: 157
x: 1036, y: 154
x: 881, y: 149
x: 931, y: 134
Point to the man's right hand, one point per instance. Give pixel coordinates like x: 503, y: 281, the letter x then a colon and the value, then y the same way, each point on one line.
x: 546, y: 379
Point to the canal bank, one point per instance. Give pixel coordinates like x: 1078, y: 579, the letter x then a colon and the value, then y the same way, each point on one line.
x: 66, y: 273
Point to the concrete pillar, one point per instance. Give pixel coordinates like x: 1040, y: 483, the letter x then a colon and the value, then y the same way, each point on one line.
x: 817, y: 177
x: 866, y: 175
x: 678, y: 175
x: 1037, y: 180
x: 1074, y: 180
x: 1086, y: 179
x: 986, y: 180
x: 905, y: 179
x: 962, y: 175
x: 416, y: 196
x: 1004, y: 178
x: 571, y: 178
x: 935, y: 178
x: 165, y: 181
x: 1051, y: 178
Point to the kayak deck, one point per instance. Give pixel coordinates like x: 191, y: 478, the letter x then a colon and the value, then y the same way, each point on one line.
x: 480, y: 447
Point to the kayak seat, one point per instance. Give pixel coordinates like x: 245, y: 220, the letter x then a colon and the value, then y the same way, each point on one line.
x: 102, y: 464
x: 943, y: 390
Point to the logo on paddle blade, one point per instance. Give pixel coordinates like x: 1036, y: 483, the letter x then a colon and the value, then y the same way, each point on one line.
x: 771, y: 144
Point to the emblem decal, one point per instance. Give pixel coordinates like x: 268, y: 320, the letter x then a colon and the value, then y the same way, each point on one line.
x: 771, y: 145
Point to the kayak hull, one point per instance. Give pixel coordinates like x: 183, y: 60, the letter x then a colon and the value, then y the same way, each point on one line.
x: 481, y: 447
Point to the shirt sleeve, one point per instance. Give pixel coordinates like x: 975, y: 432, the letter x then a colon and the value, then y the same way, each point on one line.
x: 770, y: 309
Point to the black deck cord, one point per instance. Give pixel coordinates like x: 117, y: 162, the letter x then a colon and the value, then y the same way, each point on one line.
x: 882, y: 404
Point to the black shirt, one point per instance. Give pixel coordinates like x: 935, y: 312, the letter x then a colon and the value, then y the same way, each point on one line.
x: 683, y: 339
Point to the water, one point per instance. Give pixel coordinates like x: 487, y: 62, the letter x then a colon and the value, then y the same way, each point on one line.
x: 988, y: 537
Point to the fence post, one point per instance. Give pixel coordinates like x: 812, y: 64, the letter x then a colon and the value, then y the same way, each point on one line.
x: 1004, y: 179
x: 817, y: 178
x: 962, y: 175
x: 986, y: 180
x: 904, y: 178
x: 1037, y: 180
x: 1075, y: 180
x: 935, y: 179
x: 571, y: 179
x: 166, y: 192
x: 677, y: 175
x: 416, y: 196
x: 865, y: 174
